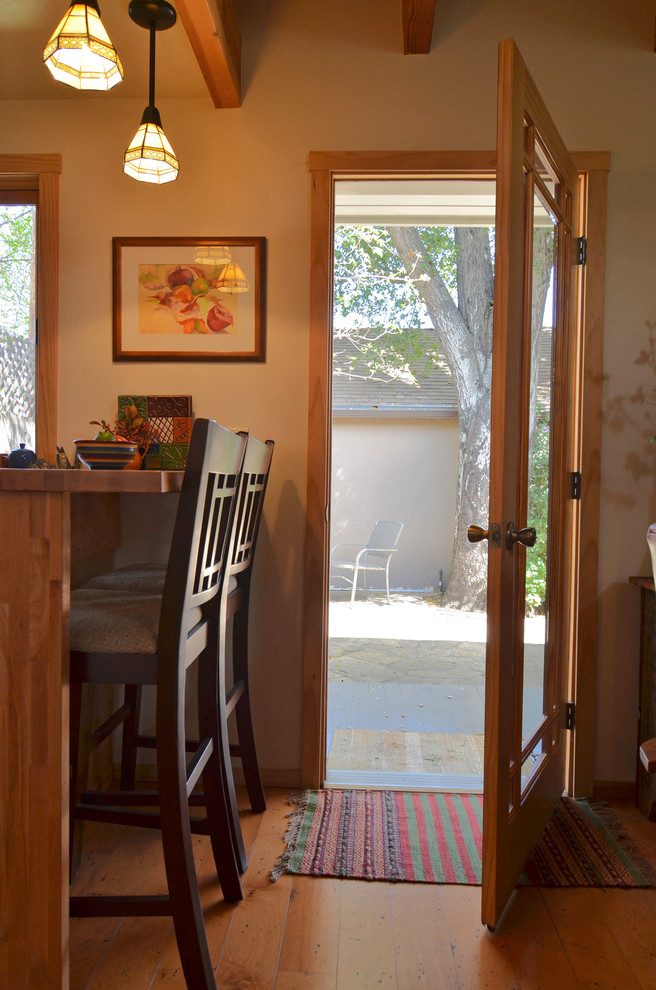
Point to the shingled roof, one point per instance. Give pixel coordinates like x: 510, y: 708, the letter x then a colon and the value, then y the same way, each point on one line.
x: 355, y: 389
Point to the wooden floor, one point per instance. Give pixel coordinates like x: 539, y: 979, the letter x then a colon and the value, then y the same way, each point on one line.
x: 303, y: 933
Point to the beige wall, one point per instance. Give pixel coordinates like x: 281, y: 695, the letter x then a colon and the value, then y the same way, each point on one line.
x: 328, y: 74
x: 403, y: 469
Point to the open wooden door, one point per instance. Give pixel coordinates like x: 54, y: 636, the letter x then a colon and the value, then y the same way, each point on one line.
x: 533, y: 431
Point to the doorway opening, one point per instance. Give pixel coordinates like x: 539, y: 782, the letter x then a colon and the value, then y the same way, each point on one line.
x: 412, y: 346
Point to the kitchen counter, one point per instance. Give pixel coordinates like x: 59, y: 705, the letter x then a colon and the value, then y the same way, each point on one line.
x: 51, y: 522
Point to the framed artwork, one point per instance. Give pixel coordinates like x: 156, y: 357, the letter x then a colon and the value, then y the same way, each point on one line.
x: 189, y: 298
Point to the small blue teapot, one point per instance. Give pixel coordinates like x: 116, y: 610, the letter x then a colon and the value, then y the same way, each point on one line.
x: 22, y: 457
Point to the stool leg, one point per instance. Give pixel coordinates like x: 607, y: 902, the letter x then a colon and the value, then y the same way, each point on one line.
x: 78, y: 779
x: 227, y: 779
x: 245, y: 735
x: 131, y: 698
x: 216, y: 804
x: 181, y: 875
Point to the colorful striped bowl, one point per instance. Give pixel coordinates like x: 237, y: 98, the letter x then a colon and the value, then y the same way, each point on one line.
x: 106, y: 455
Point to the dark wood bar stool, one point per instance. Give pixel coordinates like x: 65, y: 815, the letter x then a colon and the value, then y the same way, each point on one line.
x: 120, y: 637
x: 234, y: 615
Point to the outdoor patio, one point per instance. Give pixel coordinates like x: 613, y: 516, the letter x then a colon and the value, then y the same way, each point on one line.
x: 406, y: 689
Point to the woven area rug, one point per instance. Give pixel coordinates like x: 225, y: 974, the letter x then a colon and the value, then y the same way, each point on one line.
x: 437, y: 838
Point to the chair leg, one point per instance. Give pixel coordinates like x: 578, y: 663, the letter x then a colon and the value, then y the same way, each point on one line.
x: 79, y: 773
x: 217, y: 805
x: 132, y: 698
x: 243, y: 717
x: 355, y: 581
x: 181, y: 876
x: 227, y: 779
x: 387, y: 582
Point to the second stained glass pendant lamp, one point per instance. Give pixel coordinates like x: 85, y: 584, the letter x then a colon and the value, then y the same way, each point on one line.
x: 150, y: 157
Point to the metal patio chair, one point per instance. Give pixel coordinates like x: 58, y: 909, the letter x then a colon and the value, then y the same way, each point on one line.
x: 372, y: 556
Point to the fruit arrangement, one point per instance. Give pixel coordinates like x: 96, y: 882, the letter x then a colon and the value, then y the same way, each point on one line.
x: 190, y: 294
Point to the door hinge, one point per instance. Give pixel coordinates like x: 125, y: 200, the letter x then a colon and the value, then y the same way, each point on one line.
x: 581, y: 250
x: 570, y: 715
x: 576, y: 484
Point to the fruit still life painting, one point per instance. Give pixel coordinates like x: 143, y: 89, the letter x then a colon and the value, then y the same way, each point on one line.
x: 185, y: 299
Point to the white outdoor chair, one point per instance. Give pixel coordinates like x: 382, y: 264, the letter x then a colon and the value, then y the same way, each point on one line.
x: 372, y: 556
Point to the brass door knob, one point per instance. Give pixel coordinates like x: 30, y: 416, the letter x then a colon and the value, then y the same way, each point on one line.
x: 527, y: 537
x: 476, y: 533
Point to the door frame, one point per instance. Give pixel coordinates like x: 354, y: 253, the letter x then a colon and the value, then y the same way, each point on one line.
x: 325, y: 169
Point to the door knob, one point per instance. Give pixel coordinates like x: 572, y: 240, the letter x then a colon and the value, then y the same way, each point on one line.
x: 527, y: 537
x: 476, y: 533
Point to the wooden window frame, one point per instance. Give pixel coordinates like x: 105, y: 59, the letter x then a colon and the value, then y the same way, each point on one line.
x: 325, y: 169
x: 40, y: 174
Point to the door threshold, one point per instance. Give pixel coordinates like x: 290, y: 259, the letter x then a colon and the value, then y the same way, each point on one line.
x: 470, y: 783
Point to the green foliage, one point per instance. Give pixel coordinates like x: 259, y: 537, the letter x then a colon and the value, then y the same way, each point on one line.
x: 16, y: 250
x: 376, y: 302
x: 538, y: 516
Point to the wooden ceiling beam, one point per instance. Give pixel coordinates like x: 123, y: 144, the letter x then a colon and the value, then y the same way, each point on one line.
x: 418, y: 16
x: 213, y: 31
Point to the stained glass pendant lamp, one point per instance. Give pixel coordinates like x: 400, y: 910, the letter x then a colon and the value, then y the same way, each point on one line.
x: 150, y: 157
x: 212, y: 254
x: 233, y: 279
x: 80, y: 53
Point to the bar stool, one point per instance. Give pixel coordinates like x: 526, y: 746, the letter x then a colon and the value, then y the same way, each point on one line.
x: 122, y: 638
x: 233, y: 630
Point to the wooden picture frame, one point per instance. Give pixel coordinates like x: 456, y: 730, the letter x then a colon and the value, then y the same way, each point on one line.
x: 189, y: 298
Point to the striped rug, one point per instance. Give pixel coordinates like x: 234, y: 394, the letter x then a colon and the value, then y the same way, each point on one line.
x: 437, y: 838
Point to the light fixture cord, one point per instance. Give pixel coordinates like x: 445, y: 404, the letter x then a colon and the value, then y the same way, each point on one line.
x: 151, y: 82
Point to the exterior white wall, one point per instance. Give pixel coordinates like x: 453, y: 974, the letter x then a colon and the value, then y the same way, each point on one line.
x: 330, y: 75
x: 397, y: 469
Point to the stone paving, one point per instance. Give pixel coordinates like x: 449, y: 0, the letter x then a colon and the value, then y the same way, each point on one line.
x: 371, y: 642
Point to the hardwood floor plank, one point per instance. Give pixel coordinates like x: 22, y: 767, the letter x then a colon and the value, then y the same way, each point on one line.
x: 311, y: 937
x: 534, y: 944
x: 218, y: 914
x: 481, y: 959
x: 633, y: 930
x: 366, y: 937
x: 595, y: 956
x: 421, y: 937
x: 252, y: 947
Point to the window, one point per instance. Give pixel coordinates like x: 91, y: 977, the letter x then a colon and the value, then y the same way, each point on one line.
x: 17, y: 319
x: 29, y: 213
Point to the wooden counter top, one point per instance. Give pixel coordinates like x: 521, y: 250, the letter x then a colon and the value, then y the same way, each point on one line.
x: 32, y: 480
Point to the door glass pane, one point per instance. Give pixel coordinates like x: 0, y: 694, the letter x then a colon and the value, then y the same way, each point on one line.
x: 545, y: 171
x: 534, y: 702
x: 17, y: 325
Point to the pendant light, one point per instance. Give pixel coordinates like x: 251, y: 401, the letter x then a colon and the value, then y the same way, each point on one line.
x: 80, y: 53
x: 233, y: 279
x: 150, y: 157
x: 217, y: 255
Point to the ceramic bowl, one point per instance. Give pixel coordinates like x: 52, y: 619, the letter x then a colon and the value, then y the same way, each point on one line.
x: 104, y: 455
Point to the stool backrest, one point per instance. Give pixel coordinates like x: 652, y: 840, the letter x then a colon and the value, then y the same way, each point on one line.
x: 201, y: 536
x: 250, y: 501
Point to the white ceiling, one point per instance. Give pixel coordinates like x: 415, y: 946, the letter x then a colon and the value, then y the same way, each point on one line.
x: 26, y: 26
x: 448, y: 202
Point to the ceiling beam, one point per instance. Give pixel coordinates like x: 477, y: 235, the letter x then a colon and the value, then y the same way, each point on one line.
x: 213, y: 31
x: 418, y: 18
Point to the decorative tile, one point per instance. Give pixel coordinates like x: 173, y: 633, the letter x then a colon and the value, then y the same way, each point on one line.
x: 171, y: 418
x: 164, y: 427
x: 169, y: 405
x: 125, y: 401
x: 174, y: 456
x: 182, y: 429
